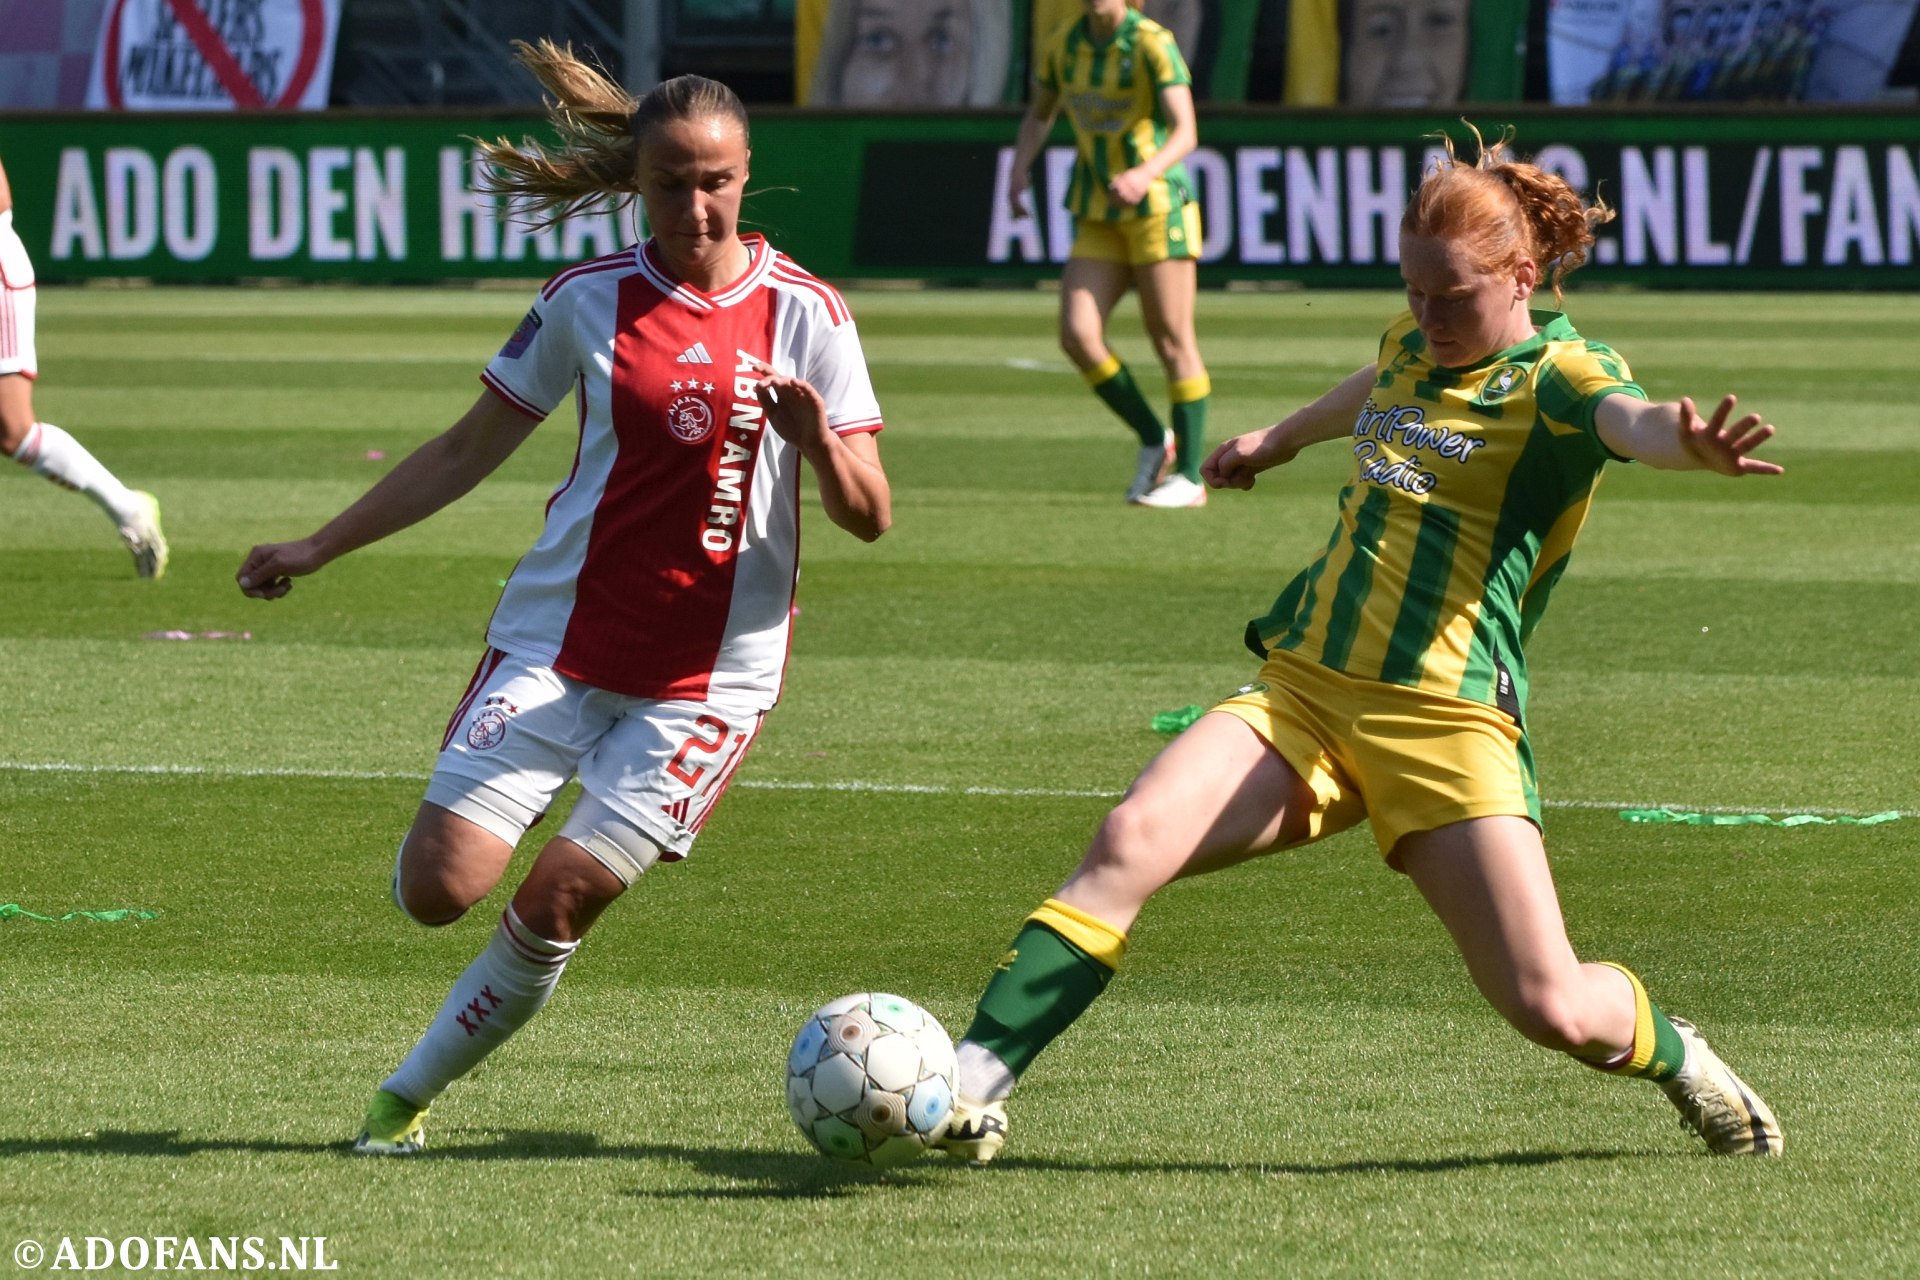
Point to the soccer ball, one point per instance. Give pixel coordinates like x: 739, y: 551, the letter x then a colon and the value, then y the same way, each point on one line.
x: 870, y: 1079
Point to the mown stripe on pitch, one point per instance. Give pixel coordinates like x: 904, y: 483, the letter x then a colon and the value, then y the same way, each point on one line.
x: 855, y: 785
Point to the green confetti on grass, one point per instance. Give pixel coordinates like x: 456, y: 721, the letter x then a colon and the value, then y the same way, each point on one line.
x: 1174, y: 721
x: 1755, y: 819
x: 14, y: 911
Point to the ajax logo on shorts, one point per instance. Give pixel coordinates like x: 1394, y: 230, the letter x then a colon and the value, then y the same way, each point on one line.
x: 489, y: 728
x: 690, y: 417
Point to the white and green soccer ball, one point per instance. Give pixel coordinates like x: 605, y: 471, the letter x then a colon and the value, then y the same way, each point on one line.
x: 870, y: 1079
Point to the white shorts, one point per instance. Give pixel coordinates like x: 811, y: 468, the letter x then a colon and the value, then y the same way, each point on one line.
x: 16, y: 303
x: 523, y: 730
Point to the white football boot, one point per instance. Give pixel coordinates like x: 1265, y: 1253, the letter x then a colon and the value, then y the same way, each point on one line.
x: 1717, y: 1104
x: 976, y: 1131
x: 1174, y: 491
x: 1155, y: 462
x: 142, y: 535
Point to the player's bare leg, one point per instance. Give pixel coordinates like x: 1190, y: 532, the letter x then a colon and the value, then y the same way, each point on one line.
x: 1218, y: 795
x: 1488, y: 881
x: 447, y: 863
x: 48, y: 451
x: 499, y: 992
x: 1167, y: 292
x: 1089, y: 290
x: 565, y: 892
x: 16, y: 411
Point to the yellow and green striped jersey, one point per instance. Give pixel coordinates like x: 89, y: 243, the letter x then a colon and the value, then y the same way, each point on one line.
x: 1111, y: 92
x: 1468, y: 488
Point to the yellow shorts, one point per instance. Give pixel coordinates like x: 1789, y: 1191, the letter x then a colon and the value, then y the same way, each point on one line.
x: 1138, y: 241
x: 1407, y: 760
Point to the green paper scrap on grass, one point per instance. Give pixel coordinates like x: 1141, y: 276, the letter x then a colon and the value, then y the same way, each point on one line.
x: 1755, y: 819
x: 1175, y: 721
x: 14, y: 911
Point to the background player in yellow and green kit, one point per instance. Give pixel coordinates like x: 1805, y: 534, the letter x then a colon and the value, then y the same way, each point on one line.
x: 1129, y: 98
x: 1394, y: 683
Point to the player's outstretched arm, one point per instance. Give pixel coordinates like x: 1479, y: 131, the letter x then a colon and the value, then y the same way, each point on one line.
x: 1236, y: 463
x: 853, y: 485
x: 432, y: 476
x: 1672, y: 435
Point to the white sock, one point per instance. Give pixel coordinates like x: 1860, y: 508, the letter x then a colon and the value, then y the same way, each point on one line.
x: 499, y: 991
x: 52, y: 453
x: 983, y: 1076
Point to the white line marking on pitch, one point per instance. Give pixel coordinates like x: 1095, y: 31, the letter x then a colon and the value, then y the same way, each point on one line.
x: 315, y: 357
x: 877, y: 788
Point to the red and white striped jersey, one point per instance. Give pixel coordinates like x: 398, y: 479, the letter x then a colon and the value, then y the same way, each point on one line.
x: 667, y: 565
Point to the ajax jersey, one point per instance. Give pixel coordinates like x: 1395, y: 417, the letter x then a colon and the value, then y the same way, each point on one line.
x: 1467, y: 491
x: 667, y: 565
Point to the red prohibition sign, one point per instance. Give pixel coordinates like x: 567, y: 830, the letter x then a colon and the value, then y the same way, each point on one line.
x: 220, y: 59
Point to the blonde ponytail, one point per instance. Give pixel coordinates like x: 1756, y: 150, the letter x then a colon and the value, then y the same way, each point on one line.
x: 600, y: 127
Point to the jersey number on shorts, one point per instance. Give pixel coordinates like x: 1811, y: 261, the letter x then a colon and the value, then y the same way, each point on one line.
x: 678, y: 765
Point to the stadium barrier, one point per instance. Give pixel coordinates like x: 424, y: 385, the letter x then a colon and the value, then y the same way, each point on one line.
x: 1815, y: 200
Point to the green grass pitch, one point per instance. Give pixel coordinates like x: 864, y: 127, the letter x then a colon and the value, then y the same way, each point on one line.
x: 1291, y: 1077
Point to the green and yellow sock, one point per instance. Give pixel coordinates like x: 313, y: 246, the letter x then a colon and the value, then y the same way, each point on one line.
x: 1657, y: 1053
x: 1061, y: 960
x: 1189, y: 397
x: 1113, y: 383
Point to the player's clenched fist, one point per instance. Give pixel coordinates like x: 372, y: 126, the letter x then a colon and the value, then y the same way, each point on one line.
x: 1235, y: 463
x: 268, y: 571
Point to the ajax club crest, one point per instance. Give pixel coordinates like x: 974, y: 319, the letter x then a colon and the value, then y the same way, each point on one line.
x: 689, y: 417
x: 489, y: 727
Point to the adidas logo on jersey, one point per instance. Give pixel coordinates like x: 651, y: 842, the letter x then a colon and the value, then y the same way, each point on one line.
x: 695, y: 354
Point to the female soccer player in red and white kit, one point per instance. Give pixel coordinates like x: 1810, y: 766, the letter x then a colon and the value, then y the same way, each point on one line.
x: 639, y: 644
x: 41, y: 447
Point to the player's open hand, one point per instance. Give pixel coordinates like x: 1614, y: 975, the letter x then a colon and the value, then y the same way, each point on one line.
x: 269, y: 570
x: 1718, y: 445
x: 1236, y: 462
x: 794, y: 409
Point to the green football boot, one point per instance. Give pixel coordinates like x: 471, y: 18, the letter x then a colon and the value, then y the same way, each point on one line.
x: 394, y: 1127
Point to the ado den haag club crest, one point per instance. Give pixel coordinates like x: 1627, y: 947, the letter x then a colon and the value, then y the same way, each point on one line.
x: 1501, y: 383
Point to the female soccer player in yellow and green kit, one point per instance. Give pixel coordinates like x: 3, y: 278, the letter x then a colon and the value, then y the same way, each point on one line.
x: 1129, y: 97
x: 1394, y: 688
